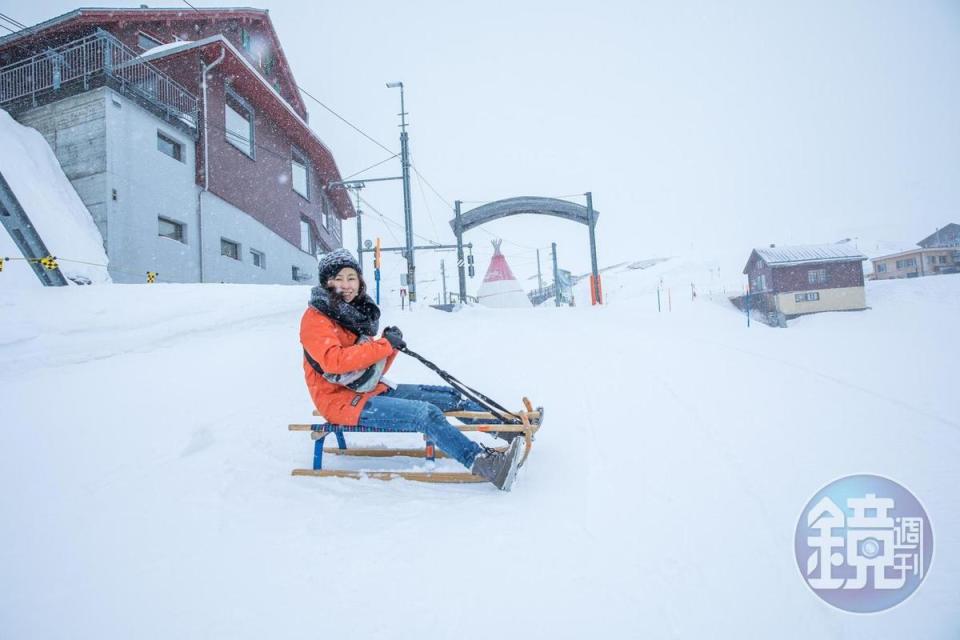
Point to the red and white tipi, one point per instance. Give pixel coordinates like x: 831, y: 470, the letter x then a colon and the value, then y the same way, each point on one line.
x: 500, y: 288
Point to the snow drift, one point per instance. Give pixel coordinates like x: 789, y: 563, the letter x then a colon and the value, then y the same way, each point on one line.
x: 31, y: 169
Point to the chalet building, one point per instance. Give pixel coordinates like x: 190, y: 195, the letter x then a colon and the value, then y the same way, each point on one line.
x: 806, y: 279
x: 184, y: 133
x: 938, y: 253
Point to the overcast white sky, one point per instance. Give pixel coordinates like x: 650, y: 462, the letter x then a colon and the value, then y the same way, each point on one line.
x: 700, y: 129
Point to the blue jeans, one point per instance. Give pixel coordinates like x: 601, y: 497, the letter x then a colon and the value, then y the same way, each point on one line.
x: 422, y: 406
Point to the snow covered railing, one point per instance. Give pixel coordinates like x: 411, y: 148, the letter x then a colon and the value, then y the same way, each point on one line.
x: 84, y: 59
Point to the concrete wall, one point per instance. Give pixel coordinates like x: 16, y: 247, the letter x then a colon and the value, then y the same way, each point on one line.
x: 148, y: 184
x: 223, y: 220
x: 75, y: 128
x: 838, y: 299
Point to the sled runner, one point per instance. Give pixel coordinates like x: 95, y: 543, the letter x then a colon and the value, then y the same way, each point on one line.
x: 527, y: 423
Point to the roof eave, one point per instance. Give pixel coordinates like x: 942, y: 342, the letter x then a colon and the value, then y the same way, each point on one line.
x: 793, y: 263
x: 41, y: 26
x: 746, y: 267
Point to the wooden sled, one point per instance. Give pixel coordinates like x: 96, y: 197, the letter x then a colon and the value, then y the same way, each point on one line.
x: 530, y: 421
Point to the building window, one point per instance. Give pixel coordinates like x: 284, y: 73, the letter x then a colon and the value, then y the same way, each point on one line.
x: 300, y: 174
x: 816, y: 276
x: 325, y: 216
x: 904, y: 264
x: 308, y: 240
x: 299, y: 275
x: 169, y: 146
x: 258, y: 258
x: 229, y: 248
x: 881, y: 267
x: 810, y: 296
x: 266, y: 64
x: 146, y: 42
x: 171, y: 229
x: 943, y: 259
x: 245, y: 39
x: 239, y: 123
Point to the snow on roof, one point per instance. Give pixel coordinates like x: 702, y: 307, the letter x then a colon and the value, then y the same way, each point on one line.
x: 61, y: 219
x: 782, y: 256
x: 115, y: 11
x: 165, y: 48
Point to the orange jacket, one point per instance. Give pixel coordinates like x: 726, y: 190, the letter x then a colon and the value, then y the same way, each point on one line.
x: 335, y: 349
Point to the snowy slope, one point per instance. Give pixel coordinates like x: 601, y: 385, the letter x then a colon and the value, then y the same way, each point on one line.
x: 144, y: 466
x: 53, y: 206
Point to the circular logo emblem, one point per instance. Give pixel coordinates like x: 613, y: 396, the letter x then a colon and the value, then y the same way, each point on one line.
x: 863, y: 543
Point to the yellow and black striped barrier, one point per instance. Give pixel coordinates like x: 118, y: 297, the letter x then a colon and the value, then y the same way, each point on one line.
x: 52, y: 263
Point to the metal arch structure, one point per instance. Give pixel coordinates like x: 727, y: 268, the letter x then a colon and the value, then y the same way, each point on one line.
x: 537, y: 205
x: 524, y: 204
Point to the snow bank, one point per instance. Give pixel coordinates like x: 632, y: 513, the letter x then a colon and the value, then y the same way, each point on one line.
x: 53, y: 206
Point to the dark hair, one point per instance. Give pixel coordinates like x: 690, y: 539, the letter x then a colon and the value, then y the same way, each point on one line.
x: 361, y: 292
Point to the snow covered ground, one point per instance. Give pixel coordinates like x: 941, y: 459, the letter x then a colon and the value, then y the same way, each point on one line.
x: 145, y: 487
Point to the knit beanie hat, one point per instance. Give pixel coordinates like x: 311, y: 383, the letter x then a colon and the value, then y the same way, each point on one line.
x: 331, y: 263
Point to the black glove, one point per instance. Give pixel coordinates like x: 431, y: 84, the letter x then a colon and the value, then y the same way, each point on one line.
x: 395, y: 337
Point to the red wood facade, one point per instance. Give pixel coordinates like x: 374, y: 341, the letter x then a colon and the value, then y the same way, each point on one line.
x: 796, y: 278
x: 254, y: 67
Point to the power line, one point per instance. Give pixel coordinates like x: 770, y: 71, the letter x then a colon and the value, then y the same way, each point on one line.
x: 315, y: 99
x: 347, y: 122
x: 447, y: 202
x: 427, y: 205
x: 396, y: 224
x: 15, y: 23
x: 372, y: 166
x: 383, y: 217
x: 420, y: 175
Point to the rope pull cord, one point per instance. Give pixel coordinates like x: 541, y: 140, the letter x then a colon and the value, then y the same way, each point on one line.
x: 501, y: 413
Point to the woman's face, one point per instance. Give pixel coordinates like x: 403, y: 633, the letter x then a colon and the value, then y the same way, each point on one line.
x: 346, y: 283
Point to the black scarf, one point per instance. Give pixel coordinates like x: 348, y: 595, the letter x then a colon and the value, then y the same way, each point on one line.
x: 362, y: 316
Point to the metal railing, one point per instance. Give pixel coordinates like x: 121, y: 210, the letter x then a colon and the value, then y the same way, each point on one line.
x: 85, y: 59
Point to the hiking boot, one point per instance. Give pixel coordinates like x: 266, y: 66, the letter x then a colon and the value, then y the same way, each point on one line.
x: 499, y: 468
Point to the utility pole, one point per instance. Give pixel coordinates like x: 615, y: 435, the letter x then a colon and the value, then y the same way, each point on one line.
x: 407, y: 209
x: 595, y: 280
x: 539, y: 277
x: 443, y: 276
x: 461, y: 268
x: 556, y: 276
x: 359, y: 231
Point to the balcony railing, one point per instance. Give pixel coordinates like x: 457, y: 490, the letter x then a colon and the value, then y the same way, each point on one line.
x: 84, y: 60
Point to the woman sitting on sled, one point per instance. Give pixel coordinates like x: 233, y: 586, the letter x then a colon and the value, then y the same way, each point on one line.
x: 343, y: 362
